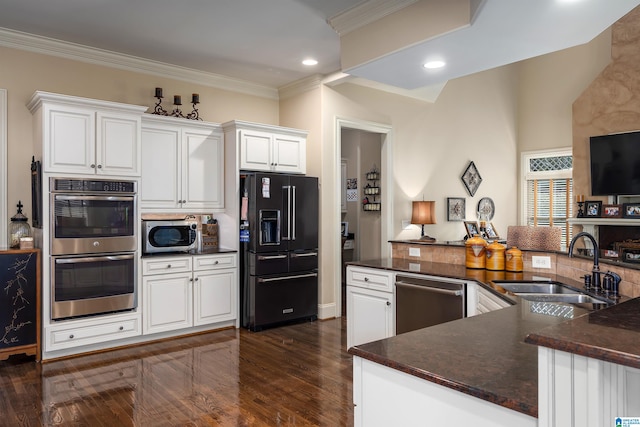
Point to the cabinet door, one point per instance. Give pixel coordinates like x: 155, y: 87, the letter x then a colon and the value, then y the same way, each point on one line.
x: 255, y: 151
x: 118, y: 144
x: 69, y: 139
x: 289, y: 154
x: 214, y: 296
x: 161, y: 160
x: 369, y: 315
x: 167, y: 302
x: 203, y: 170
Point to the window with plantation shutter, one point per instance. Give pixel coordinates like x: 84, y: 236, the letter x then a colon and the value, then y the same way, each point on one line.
x: 548, y: 190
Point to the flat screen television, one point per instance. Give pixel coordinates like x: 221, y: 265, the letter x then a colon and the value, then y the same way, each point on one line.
x: 615, y: 164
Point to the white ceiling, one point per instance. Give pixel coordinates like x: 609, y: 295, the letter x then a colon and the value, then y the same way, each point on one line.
x: 264, y: 42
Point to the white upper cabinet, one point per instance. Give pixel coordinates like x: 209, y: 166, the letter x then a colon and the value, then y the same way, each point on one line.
x: 269, y: 148
x: 85, y: 136
x: 182, y: 165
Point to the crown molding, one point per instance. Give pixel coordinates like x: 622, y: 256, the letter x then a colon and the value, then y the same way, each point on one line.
x: 366, y: 13
x: 48, y: 46
x: 300, y: 86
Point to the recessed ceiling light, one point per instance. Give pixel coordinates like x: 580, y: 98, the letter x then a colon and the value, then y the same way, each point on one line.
x: 433, y: 64
x: 310, y: 61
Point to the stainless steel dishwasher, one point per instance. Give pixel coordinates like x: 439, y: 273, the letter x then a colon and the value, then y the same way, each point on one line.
x: 423, y: 302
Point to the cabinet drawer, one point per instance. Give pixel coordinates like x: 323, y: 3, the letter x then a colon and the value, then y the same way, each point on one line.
x: 59, y: 338
x: 370, y: 278
x: 210, y: 262
x: 166, y: 265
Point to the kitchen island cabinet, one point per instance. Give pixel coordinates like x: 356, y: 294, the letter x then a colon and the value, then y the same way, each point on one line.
x: 589, y: 368
x: 370, y: 304
x: 484, y: 358
x: 182, y: 166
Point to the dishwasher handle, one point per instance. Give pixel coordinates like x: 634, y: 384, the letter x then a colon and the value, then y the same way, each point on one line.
x: 452, y: 292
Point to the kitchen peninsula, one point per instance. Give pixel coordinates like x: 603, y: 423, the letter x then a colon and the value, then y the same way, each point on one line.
x: 483, y: 369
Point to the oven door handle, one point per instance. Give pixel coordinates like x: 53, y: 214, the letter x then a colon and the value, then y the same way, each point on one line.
x: 110, y: 198
x: 93, y: 259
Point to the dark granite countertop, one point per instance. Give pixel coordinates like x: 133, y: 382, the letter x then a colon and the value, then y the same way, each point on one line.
x: 612, y: 335
x: 212, y: 251
x: 486, y: 356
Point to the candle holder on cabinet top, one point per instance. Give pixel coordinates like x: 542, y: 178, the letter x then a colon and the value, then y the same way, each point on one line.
x: 158, y: 108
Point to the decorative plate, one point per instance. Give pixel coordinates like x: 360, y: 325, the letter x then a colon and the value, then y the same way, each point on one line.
x: 486, y: 209
x: 471, y: 179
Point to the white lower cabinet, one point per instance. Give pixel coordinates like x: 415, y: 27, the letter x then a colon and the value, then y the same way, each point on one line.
x: 384, y: 396
x: 370, y: 311
x: 579, y: 391
x: 84, y: 332
x: 181, y: 292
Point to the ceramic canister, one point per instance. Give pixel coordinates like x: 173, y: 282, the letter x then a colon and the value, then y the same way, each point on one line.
x: 513, y: 260
x: 475, y: 248
x: 495, y: 256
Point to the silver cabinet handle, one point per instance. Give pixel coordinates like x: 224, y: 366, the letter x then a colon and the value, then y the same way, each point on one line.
x: 366, y: 279
x: 168, y: 265
x: 99, y: 166
x: 121, y: 328
x: 388, y: 302
x: 93, y: 166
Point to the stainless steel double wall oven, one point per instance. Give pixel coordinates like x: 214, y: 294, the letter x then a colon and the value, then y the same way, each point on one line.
x: 93, y: 235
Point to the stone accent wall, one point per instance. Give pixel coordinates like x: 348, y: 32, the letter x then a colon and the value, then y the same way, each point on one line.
x: 611, y: 103
x: 561, y: 264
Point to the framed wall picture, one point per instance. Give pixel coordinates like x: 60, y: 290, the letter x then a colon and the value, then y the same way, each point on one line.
x: 611, y: 211
x: 593, y: 208
x: 456, y: 208
x: 471, y: 179
x: 471, y: 227
x: 631, y: 210
x: 490, y: 232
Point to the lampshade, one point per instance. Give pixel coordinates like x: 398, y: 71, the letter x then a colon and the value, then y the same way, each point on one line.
x: 424, y: 212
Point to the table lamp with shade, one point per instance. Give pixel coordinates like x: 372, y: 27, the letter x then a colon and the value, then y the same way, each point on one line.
x: 424, y: 212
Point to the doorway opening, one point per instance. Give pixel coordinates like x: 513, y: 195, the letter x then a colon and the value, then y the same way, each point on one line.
x: 362, y: 148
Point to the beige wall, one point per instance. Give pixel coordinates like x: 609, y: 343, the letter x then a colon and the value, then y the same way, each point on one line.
x: 22, y: 73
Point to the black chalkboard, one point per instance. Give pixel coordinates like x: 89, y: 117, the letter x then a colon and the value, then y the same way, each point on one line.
x: 18, y: 298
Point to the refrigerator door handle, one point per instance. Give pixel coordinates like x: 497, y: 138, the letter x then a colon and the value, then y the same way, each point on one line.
x: 306, y: 254
x: 278, y: 279
x: 293, y: 214
x: 268, y: 257
x: 288, y: 227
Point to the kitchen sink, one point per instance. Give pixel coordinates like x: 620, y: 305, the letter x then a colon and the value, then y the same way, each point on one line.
x: 566, y: 298
x: 537, y: 288
x: 551, y: 292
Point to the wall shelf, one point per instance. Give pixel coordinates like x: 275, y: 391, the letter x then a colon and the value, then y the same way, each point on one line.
x: 371, y: 191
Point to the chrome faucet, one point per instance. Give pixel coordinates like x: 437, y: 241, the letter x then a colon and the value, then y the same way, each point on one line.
x: 595, y: 273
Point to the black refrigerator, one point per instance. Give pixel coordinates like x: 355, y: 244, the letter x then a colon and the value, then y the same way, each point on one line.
x: 279, y: 249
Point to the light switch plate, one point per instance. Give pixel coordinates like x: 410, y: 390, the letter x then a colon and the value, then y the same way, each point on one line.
x: 540, y: 261
x: 414, y: 251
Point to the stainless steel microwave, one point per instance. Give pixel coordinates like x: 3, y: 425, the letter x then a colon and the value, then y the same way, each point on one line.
x: 169, y: 235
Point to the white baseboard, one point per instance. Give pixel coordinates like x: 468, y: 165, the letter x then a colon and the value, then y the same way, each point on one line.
x: 327, y: 311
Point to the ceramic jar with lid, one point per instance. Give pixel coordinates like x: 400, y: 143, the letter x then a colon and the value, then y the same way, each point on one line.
x: 495, y: 256
x: 475, y: 252
x: 18, y: 227
x: 513, y: 260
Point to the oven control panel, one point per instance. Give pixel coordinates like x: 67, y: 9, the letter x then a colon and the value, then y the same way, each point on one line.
x: 71, y: 185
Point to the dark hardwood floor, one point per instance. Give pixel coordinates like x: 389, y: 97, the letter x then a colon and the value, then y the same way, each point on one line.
x: 297, y: 375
